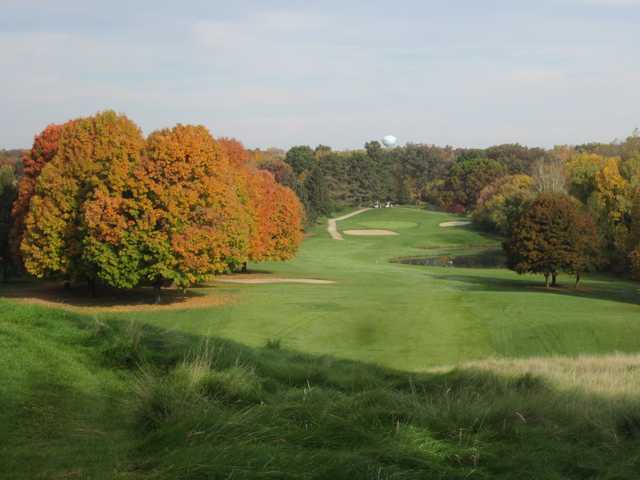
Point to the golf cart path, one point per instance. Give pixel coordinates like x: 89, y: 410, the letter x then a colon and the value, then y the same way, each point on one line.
x: 332, y: 228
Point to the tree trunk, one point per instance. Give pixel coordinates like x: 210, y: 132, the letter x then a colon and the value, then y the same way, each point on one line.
x: 577, y: 279
x: 554, y: 277
x: 157, y: 289
x: 244, y: 267
x: 91, y: 286
x: 546, y: 280
x: 67, y: 285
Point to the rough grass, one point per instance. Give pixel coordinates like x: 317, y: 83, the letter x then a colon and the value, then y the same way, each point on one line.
x: 111, y: 399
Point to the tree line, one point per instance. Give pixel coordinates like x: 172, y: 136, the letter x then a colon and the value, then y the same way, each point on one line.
x: 96, y: 201
x: 507, y: 189
x: 597, y: 182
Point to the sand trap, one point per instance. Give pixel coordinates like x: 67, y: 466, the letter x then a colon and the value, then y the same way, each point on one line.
x: 454, y: 224
x: 267, y: 280
x: 370, y: 233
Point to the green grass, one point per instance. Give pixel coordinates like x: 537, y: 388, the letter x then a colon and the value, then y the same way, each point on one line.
x: 189, y: 407
x: 413, y: 317
x: 334, y: 381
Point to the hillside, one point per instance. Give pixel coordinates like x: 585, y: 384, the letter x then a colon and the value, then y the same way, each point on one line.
x: 91, y: 399
x: 391, y: 372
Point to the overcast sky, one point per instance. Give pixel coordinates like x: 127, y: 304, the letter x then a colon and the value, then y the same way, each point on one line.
x: 280, y: 73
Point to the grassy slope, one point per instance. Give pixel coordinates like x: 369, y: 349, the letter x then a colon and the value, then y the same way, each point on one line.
x: 410, y: 317
x: 106, y: 400
x: 57, y: 402
x: 95, y: 397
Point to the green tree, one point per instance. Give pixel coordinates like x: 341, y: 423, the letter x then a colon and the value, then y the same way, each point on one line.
x: 516, y: 158
x: 301, y: 158
x: 8, y: 194
x: 317, y: 193
x: 467, y: 177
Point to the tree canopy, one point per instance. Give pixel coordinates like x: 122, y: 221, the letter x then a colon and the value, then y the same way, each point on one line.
x: 94, y: 158
x: 551, y: 236
x: 101, y: 202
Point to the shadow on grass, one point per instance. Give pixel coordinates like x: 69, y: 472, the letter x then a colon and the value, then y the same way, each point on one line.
x: 202, y: 407
x: 78, y: 296
x: 592, y: 287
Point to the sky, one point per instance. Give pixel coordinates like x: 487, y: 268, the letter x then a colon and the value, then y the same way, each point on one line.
x: 340, y: 73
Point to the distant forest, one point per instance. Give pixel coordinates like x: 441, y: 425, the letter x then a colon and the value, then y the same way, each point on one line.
x: 494, y: 185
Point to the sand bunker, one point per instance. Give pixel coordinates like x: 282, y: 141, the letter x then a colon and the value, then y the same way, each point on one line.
x: 332, y: 227
x: 454, y: 224
x: 267, y: 280
x: 370, y: 233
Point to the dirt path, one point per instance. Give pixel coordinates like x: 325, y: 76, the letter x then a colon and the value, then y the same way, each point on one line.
x: 332, y: 228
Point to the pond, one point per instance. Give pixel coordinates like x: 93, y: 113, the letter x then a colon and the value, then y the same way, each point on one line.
x: 485, y: 259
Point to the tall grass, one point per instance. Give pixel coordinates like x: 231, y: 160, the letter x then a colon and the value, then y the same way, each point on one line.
x: 284, y: 415
x: 191, y: 408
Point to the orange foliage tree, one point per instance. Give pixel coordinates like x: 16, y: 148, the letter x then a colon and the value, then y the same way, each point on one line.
x: 238, y: 156
x: 179, y: 219
x: 180, y: 207
x: 93, y: 158
x: 279, y: 218
x: 277, y: 213
x: 45, y: 146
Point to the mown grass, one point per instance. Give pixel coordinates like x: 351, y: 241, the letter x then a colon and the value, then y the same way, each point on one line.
x: 108, y: 399
x: 408, y: 317
x: 334, y: 381
x: 414, y: 317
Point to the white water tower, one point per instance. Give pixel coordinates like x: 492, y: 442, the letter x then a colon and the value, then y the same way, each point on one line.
x: 390, y: 141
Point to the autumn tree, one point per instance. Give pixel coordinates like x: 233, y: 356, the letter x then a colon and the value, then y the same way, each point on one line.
x: 278, y: 217
x: 582, y: 170
x: 586, y: 255
x: 45, y: 147
x: 611, y: 205
x: 235, y: 152
x: 276, y: 229
x: 501, y: 201
x: 634, y: 243
x: 552, y: 235
x: 282, y: 172
x: 94, y: 157
x: 178, y: 219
